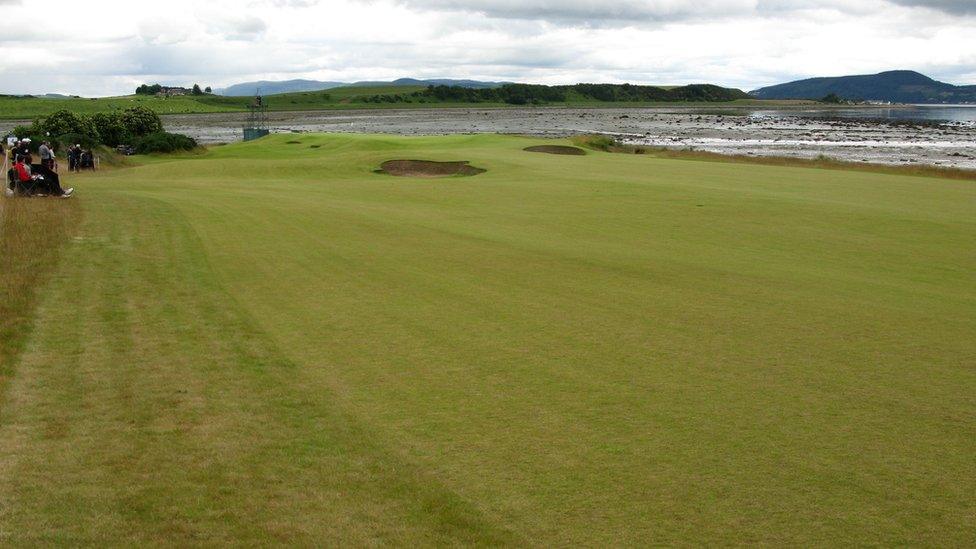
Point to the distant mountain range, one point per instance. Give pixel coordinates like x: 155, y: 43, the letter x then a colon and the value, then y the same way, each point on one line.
x: 292, y: 86
x: 893, y: 86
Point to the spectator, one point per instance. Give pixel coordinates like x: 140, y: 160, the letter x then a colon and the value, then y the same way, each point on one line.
x: 23, y: 151
x: 86, y: 160
x: 43, y: 178
x: 47, y: 155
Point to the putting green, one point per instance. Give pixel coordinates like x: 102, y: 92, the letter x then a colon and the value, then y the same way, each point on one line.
x: 271, y: 343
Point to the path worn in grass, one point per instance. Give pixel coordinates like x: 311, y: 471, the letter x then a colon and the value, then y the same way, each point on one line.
x: 274, y: 344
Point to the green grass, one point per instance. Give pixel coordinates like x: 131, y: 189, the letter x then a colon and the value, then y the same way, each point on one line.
x: 12, y: 107
x: 272, y: 344
x: 32, y: 107
x: 17, y: 108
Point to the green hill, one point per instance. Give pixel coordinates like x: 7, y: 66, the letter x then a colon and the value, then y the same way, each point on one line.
x: 401, y: 95
x: 295, y: 86
x: 893, y: 86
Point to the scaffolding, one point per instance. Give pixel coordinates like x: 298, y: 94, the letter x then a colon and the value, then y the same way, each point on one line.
x: 256, y: 126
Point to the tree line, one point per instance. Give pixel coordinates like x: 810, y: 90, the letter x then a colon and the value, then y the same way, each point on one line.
x: 153, y: 89
x: 534, y: 94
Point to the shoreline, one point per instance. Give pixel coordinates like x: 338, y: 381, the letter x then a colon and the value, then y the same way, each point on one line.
x: 757, y: 104
x: 803, y: 133
x: 880, y: 134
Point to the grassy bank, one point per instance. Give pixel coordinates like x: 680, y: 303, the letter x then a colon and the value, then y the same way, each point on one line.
x: 271, y: 343
x: 18, y: 108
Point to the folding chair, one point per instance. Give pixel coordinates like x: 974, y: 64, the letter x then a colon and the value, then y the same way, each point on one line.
x: 24, y: 188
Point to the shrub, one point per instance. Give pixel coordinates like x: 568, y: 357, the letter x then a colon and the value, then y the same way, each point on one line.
x: 140, y: 121
x: 111, y: 128
x: 63, y: 122
x: 25, y: 131
x: 162, y: 142
x: 66, y: 140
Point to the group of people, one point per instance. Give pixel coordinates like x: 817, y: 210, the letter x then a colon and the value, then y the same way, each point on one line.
x: 80, y: 159
x: 25, y: 177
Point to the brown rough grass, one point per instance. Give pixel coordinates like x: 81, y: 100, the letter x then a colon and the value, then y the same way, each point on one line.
x: 32, y: 231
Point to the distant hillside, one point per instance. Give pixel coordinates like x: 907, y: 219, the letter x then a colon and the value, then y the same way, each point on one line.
x: 533, y: 94
x: 894, y: 86
x: 471, y: 84
x: 293, y: 86
x: 270, y: 88
x: 388, y: 96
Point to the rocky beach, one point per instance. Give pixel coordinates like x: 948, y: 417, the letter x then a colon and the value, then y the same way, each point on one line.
x: 884, y: 136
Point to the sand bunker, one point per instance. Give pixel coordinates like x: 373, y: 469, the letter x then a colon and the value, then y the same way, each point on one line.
x: 426, y: 168
x: 556, y: 149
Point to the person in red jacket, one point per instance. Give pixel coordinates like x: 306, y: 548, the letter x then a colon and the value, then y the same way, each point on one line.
x: 23, y: 171
x: 48, y: 180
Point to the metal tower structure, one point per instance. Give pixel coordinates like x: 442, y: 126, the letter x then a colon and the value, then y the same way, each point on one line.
x: 256, y: 126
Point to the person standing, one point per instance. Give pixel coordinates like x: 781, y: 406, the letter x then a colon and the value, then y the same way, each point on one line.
x: 24, y: 152
x: 47, y: 158
x: 74, y: 155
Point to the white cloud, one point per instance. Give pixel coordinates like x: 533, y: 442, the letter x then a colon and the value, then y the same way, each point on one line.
x: 742, y: 43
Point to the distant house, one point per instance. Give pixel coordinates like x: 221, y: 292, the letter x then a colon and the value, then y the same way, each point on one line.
x: 168, y: 91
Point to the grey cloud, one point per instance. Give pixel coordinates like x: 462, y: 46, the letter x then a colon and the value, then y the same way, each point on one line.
x: 960, y: 7
x: 636, y: 12
x: 588, y: 11
x: 245, y: 28
x: 248, y: 27
x: 285, y: 3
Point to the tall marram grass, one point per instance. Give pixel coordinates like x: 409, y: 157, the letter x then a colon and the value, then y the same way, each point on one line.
x: 32, y: 233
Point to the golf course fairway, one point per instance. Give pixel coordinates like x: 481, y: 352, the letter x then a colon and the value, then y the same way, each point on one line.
x: 271, y: 343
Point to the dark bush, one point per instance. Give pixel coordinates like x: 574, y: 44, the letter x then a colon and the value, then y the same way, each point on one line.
x: 63, y: 122
x: 139, y: 121
x: 531, y: 94
x: 25, y: 131
x: 146, y: 89
x: 63, y: 141
x: 137, y: 126
x: 162, y: 142
x: 111, y: 128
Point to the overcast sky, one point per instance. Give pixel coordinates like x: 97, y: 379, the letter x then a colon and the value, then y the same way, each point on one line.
x: 94, y: 47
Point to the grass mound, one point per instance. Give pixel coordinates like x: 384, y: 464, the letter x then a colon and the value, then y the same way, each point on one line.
x: 428, y: 168
x: 556, y: 149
